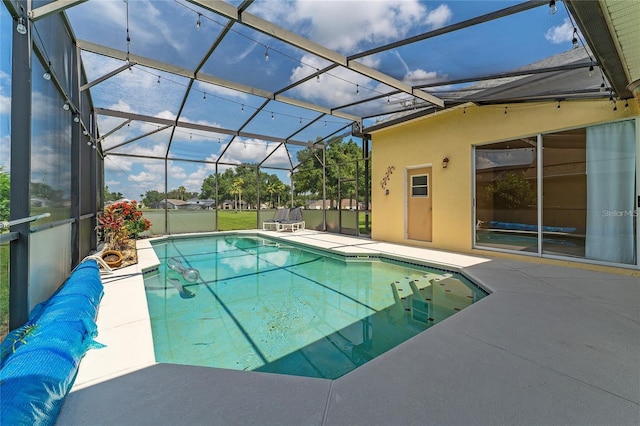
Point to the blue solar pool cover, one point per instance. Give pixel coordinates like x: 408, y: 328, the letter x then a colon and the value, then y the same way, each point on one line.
x: 39, y: 360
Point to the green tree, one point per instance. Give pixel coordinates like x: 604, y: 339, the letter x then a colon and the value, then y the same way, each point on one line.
x: 341, y: 164
x: 152, y: 197
x: 250, y: 182
x: 511, y: 191
x: 111, y: 196
x: 5, y: 192
x: 181, y: 193
x: 236, y: 189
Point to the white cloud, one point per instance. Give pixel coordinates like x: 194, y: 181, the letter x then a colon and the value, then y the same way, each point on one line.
x: 144, y: 178
x: 5, y: 104
x: 439, y: 17
x: 336, y: 88
x: 118, y: 164
x: 347, y: 25
x: 415, y: 77
x: 560, y: 34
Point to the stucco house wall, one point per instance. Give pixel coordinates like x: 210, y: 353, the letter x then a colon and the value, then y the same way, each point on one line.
x: 453, y: 133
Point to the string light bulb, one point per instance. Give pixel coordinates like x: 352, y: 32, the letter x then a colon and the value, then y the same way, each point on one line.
x: 198, y: 22
x: 574, y: 40
x: 204, y: 96
x: 266, y: 54
x: 46, y: 75
x: 553, y: 8
x: 602, y: 86
x: 272, y: 117
x: 242, y: 108
x: 591, y: 69
x: 21, y: 28
x: 65, y: 106
x: 158, y: 79
x: 357, y: 90
x: 76, y: 118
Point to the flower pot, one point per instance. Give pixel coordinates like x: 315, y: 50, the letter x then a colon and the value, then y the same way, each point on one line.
x: 113, y: 258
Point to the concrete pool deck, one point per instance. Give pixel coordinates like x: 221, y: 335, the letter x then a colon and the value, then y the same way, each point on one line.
x: 550, y: 345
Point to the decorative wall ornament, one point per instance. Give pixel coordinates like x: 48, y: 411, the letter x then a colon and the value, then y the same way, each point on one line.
x: 386, y: 178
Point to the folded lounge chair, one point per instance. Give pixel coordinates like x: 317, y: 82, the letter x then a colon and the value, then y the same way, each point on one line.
x: 281, y: 214
x: 294, y: 223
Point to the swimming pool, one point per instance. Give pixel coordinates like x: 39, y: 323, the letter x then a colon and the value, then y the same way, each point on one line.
x: 251, y: 303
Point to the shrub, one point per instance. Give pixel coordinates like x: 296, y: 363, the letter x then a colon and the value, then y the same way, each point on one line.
x: 121, y: 221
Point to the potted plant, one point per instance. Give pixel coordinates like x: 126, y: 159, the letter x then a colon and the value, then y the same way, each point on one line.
x: 118, y: 223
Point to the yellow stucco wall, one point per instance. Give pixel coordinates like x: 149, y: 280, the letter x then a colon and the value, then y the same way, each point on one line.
x: 452, y: 134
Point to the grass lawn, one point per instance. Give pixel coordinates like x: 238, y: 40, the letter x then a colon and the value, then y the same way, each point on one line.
x: 229, y: 220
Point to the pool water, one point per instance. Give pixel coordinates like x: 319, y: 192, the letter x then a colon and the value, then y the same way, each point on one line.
x: 250, y: 303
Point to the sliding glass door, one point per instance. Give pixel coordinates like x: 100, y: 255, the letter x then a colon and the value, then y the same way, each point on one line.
x: 588, y: 205
x: 506, y: 195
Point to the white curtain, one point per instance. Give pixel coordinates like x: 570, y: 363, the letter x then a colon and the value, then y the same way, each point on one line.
x: 611, y: 192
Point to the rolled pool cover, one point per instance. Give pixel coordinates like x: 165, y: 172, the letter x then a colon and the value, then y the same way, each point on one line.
x: 39, y: 360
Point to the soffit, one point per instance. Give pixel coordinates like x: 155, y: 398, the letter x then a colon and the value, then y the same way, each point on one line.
x: 624, y: 19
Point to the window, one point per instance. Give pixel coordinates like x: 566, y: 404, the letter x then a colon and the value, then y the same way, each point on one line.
x: 588, y: 207
x: 506, y: 195
x: 420, y: 186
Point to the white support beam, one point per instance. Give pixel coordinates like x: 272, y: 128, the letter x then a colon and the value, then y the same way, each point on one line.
x: 193, y: 126
x: 105, y: 77
x: 141, y: 60
x: 207, y: 78
x: 51, y: 8
x: 150, y: 63
x: 313, y: 107
x: 293, y: 39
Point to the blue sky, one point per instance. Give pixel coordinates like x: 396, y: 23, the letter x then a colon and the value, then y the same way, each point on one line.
x: 165, y: 30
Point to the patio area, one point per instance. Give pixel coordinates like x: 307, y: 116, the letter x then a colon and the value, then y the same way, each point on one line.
x: 550, y: 345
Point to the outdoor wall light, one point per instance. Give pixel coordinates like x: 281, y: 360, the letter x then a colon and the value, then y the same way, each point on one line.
x: 21, y: 28
x: 445, y: 162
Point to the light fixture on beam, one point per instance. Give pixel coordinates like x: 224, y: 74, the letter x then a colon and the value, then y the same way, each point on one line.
x: 21, y: 28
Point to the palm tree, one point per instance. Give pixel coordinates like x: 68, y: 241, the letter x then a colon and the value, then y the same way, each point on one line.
x: 236, y: 189
x: 182, y: 190
x: 271, y: 189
